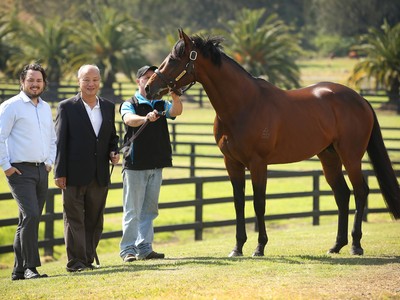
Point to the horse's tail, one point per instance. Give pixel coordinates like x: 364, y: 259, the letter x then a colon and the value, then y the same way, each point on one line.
x: 383, y: 170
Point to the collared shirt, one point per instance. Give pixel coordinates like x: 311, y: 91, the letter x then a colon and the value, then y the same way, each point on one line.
x: 26, y: 132
x: 94, y: 115
x: 128, y: 108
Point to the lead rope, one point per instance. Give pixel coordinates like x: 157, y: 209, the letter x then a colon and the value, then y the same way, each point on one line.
x: 128, y: 142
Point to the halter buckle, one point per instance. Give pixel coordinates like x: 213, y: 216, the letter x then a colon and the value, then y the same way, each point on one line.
x: 193, y: 55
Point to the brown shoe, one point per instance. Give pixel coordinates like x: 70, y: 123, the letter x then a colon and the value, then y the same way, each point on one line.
x: 129, y: 257
x: 155, y: 255
x: 76, y: 267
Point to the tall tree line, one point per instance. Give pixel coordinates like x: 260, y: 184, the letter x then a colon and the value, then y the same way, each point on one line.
x: 343, y: 17
x: 315, y: 20
x: 122, y: 35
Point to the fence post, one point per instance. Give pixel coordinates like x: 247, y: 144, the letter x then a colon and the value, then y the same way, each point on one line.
x: 365, y: 214
x: 192, y: 159
x: 198, y: 232
x: 49, y: 224
x: 316, y: 198
x: 119, y: 90
x: 201, y: 97
x: 398, y: 105
x: 173, y: 135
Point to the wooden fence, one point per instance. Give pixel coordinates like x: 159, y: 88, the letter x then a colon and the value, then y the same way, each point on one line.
x: 120, y: 92
x: 313, y: 192
x: 177, y: 131
x: 124, y: 90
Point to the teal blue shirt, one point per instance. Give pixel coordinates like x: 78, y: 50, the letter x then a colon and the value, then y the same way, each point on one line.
x: 128, y: 107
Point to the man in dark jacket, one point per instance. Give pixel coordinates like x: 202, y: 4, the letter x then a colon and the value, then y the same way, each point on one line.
x: 86, y: 142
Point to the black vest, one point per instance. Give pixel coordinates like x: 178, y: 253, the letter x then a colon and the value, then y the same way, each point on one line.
x: 151, y: 149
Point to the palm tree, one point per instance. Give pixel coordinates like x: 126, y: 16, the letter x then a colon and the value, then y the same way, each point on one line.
x: 264, y: 46
x: 112, y: 41
x: 7, y: 48
x: 45, y: 41
x: 381, y: 49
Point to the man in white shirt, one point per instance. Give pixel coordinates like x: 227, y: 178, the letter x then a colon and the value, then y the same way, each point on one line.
x: 27, y: 152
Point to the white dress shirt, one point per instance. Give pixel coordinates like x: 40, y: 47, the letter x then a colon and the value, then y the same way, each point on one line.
x: 95, y: 116
x: 26, y: 132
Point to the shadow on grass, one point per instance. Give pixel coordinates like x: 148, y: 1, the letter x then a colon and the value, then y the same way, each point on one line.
x: 296, y: 259
x: 170, y: 264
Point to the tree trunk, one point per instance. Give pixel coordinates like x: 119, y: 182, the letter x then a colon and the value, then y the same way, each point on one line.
x: 394, y: 95
x: 107, y: 91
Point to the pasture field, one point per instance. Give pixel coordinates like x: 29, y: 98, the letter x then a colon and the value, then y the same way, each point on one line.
x: 295, y: 266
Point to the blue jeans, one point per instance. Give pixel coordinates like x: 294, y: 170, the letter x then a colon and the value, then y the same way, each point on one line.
x: 141, y: 189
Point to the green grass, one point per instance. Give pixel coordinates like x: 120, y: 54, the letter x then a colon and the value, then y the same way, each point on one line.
x: 295, y: 267
x: 322, y: 69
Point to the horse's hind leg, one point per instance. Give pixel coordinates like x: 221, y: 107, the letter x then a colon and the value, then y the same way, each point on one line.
x: 332, y: 167
x: 361, y: 192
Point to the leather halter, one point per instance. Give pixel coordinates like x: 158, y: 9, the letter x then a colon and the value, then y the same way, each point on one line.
x: 189, y: 69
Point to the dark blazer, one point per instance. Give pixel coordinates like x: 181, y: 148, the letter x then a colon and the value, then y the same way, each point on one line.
x: 81, y: 156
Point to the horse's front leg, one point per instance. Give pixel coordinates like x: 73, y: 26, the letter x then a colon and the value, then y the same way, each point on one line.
x: 259, y: 181
x: 236, y: 173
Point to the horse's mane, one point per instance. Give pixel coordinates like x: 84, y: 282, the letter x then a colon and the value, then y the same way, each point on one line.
x: 210, y: 47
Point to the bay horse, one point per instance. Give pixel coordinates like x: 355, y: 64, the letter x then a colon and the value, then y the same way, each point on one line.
x: 258, y: 124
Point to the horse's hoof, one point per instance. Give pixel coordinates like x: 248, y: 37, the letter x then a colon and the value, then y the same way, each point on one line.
x: 357, y: 251
x: 257, y: 253
x: 235, y: 253
x: 337, y: 247
x: 333, y: 251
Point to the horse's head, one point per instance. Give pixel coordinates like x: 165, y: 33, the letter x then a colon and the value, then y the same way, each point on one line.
x: 176, y: 71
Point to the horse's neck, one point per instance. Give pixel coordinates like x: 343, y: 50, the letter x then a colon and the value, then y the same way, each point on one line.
x: 228, y: 87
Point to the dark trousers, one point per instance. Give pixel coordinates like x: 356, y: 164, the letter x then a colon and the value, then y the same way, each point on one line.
x: 83, y: 221
x: 30, y: 191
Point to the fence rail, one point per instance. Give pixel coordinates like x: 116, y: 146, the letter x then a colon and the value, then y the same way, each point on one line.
x: 198, y: 203
x: 123, y: 90
x: 178, y: 131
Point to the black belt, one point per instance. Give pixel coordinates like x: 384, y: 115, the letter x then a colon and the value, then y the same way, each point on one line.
x: 31, y: 164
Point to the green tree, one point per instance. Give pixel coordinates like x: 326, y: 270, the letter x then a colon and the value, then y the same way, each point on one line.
x: 7, y: 49
x: 381, y: 48
x: 45, y: 41
x: 350, y: 17
x: 264, y: 46
x: 111, y: 40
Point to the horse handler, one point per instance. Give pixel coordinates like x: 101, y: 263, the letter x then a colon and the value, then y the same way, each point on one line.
x: 143, y: 163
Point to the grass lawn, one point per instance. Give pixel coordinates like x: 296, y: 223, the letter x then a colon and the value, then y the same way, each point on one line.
x: 295, y: 266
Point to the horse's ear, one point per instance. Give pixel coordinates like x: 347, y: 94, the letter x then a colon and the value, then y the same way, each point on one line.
x: 183, y: 36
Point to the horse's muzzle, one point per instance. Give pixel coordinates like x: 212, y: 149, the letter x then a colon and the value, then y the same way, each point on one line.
x: 155, y: 95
